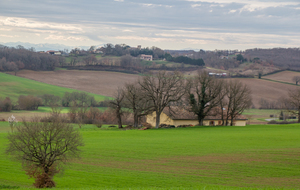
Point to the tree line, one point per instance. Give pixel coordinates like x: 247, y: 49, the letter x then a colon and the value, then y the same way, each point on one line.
x: 69, y: 99
x: 14, y: 59
x: 187, y: 60
x: 201, y: 95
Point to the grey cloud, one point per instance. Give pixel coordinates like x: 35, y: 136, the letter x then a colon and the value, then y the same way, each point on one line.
x: 162, y: 15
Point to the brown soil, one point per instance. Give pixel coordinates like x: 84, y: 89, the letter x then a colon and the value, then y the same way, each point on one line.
x: 98, y: 82
x: 268, y: 90
x: 285, y: 76
x: 106, y: 83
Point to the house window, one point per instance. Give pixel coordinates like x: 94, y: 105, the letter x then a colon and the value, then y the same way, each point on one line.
x: 211, y: 123
x: 219, y: 122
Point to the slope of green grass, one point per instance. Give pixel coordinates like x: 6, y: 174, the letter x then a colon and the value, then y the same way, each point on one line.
x: 262, y: 156
x: 13, y: 86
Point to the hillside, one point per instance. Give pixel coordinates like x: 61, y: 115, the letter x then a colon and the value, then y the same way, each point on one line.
x: 284, y: 76
x: 14, y: 86
x: 106, y: 83
x: 97, y: 82
x: 265, y: 89
x: 281, y: 57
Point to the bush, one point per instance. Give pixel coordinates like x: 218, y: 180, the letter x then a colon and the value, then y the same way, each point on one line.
x: 97, y: 123
x: 281, y: 122
x: 29, y: 102
x: 5, y: 105
x: 50, y: 100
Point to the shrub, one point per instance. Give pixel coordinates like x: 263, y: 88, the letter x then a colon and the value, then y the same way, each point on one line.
x: 29, y: 102
x: 50, y: 99
x: 281, y: 122
x: 5, y: 105
x: 97, y: 123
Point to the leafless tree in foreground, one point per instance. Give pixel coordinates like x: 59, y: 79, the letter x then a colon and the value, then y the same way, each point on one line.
x: 205, y: 94
x: 239, y: 99
x: 136, y: 100
x: 43, y: 147
x: 117, y: 105
x: 161, y: 89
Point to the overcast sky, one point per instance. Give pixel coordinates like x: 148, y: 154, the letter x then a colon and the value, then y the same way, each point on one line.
x: 168, y: 24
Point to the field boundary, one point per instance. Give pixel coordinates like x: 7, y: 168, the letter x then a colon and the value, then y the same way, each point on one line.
x: 279, y: 81
x: 279, y: 71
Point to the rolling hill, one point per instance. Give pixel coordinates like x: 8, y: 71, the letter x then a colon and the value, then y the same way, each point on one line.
x: 106, y: 83
x: 14, y: 86
x: 97, y: 82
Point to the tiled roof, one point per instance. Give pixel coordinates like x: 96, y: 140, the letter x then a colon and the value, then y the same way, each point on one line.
x: 177, y: 113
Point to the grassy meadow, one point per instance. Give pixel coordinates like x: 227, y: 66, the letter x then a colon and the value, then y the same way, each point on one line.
x: 13, y: 86
x: 251, y: 157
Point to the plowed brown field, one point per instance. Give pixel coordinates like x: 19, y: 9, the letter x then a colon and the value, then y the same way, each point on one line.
x: 268, y: 90
x: 98, y: 82
x: 285, y: 76
x: 106, y: 83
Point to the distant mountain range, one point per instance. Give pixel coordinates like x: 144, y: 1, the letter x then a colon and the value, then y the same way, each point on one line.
x: 43, y: 47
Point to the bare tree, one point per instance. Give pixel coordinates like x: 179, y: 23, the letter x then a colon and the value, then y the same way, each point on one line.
x: 292, y: 103
x: 136, y: 100
x: 223, y: 102
x: 204, y: 94
x: 89, y: 60
x: 117, y: 104
x: 161, y: 89
x: 239, y: 99
x: 29, y: 102
x: 43, y: 147
x: 296, y: 79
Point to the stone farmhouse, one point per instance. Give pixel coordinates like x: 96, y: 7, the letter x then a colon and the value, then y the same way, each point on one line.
x: 183, y: 117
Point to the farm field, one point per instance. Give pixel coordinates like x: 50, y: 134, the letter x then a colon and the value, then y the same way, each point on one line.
x: 259, y: 116
x: 97, y: 82
x: 14, y: 86
x: 284, y: 76
x: 265, y: 89
x: 251, y: 157
x: 106, y: 83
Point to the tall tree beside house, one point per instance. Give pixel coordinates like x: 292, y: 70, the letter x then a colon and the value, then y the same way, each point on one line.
x: 162, y: 89
x: 117, y: 104
x: 223, y: 102
x: 136, y: 100
x: 204, y: 94
x: 239, y: 99
x: 292, y: 103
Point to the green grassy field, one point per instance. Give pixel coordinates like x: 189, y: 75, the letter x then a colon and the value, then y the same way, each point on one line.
x: 13, y: 86
x: 251, y: 157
